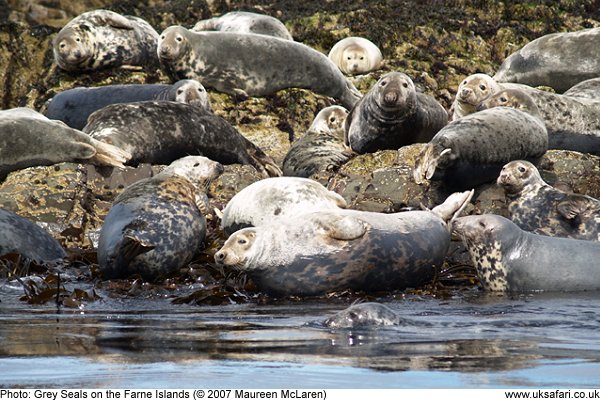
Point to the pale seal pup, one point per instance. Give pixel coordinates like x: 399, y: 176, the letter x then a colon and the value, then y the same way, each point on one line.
x: 356, y: 55
x: 24, y: 237
x: 363, y: 315
x: 74, y: 106
x: 277, y: 198
x: 101, y: 39
x: 559, y: 60
x: 393, y: 114
x: 472, y: 91
x: 322, y: 148
x: 245, y: 22
x: 537, y: 207
x: 251, y: 65
x: 588, y: 89
x: 509, y: 259
x: 159, y: 132
x: 157, y: 225
x: 29, y: 139
x: 330, y: 250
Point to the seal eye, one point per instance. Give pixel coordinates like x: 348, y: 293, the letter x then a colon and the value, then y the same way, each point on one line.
x: 77, y: 39
x: 482, y: 87
x: 405, y: 84
x: 195, y: 165
x: 180, y: 91
x: 332, y: 120
x: 352, y: 315
x: 349, y: 58
x: 521, y: 169
x: 382, y: 83
x: 242, y: 241
x: 482, y: 224
x: 362, y: 58
x: 162, y: 37
x: 464, y: 82
x: 503, y: 99
x: 179, y: 38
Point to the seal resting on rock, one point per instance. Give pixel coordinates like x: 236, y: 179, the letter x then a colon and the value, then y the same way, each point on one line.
x: 329, y: 250
x: 588, y: 89
x: 363, y: 315
x: 74, y: 106
x: 321, y: 148
x: 157, y: 225
x: 509, y: 259
x: 159, y: 132
x: 537, y: 207
x: 251, y: 65
x: 472, y: 91
x: 391, y: 115
x: 245, y: 22
x: 277, y: 198
x: 101, y: 39
x: 356, y: 55
x: 559, y: 60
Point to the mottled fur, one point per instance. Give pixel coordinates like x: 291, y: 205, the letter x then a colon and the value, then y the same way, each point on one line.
x: 245, y: 22
x: 588, y: 89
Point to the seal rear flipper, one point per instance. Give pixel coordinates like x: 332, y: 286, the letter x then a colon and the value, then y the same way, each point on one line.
x: 453, y: 206
x: 132, y: 247
x: 575, y: 205
x: 107, y: 154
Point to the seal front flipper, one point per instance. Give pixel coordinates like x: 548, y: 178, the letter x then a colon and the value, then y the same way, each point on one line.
x: 429, y: 160
x: 453, y: 206
x: 262, y: 162
x: 131, y: 247
x: 107, y: 154
x: 575, y: 205
x: 344, y: 227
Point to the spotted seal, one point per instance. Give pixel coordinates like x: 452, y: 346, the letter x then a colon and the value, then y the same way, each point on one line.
x: 251, y: 65
x: 159, y: 132
x: 24, y: 237
x: 356, y: 55
x: 277, y: 198
x: 28, y: 139
x: 363, y: 315
x: 393, y: 114
x: 74, y: 106
x: 472, y: 91
x: 245, y: 22
x: 559, y: 60
x: 321, y: 148
x: 537, y: 207
x: 101, y: 39
x: 588, y: 89
x: 157, y: 225
x: 329, y: 250
x: 509, y: 259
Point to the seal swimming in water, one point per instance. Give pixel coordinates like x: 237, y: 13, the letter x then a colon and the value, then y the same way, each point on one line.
x: 356, y: 55
x: 391, y: 115
x: 559, y: 60
x: 277, y: 198
x: 157, y: 225
x: 471, y: 92
x: 101, y: 39
x: 588, y: 89
x: 159, y: 132
x: 321, y: 148
x: 24, y: 237
x: 537, y: 207
x: 509, y: 259
x: 251, y: 65
x: 74, y: 106
x: 363, y: 315
x: 245, y: 22
x: 329, y: 250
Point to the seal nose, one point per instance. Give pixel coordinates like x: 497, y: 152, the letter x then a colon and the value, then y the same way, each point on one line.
x: 220, y: 168
x: 390, y: 97
x: 220, y: 256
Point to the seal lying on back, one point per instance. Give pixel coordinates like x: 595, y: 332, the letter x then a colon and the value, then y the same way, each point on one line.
x: 589, y: 89
x: 321, y: 148
x: 509, y: 259
x: 324, y: 251
x: 356, y: 55
x: 559, y: 60
x: 101, y: 38
x: 251, y: 65
x: 245, y: 22
x: 74, y: 106
x: 159, y: 132
x: 363, y: 315
x: 537, y: 207
x: 157, y: 225
x: 471, y: 92
x: 391, y: 115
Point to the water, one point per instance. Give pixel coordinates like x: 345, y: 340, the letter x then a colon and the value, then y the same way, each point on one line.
x: 469, y: 340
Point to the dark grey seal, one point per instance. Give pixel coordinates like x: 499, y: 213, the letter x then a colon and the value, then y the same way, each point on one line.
x: 391, y: 115
x: 363, y: 315
x: 245, y: 22
x: 251, y: 65
x: 509, y: 259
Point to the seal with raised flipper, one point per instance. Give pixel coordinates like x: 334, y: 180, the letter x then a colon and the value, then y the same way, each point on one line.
x: 245, y: 22
x: 509, y: 259
x: 356, y: 55
x: 471, y: 92
x: 363, y: 315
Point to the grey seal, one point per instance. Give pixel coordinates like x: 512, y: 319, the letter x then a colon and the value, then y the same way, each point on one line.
x: 393, y: 114
x: 363, y: 315
x: 157, y: 225
x: 251, y: 65
x: 74, y: 106
x: 559, y: 60
x: 356, y: 55
x: 159, y: 132
x: 245, y: 22
x: 329, y: 250
x: 509, y: 259
x: 321, y: 148
x: 101, y: 39
x: 471, y: 92
x: 277, y: 198
x: 588, y: 89
x: 537, y: 207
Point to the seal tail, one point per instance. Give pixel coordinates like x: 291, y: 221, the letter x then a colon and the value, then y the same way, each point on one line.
x: 107, y: 154
x: 453, y: 206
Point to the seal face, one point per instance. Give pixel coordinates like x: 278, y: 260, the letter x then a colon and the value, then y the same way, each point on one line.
x: 472, y: 91
x: 251, y: 65
x: 356, y: 55
x: 391, y: 115
x: 245, y: 22
x: 363, y: 315
x: 509, y: 259
x: 101, y: 39
x: 321, y: 148
x: 537, y: 207
x: 156, y: 226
